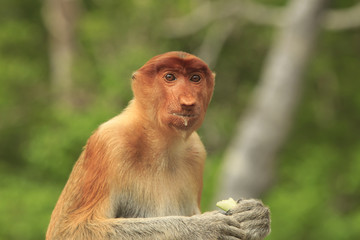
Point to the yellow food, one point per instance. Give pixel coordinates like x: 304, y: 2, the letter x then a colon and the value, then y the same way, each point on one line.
x: 226, y: 204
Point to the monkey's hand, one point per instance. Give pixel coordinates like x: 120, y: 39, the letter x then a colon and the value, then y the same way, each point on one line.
x: 216, y: 225
x: 254, y: 218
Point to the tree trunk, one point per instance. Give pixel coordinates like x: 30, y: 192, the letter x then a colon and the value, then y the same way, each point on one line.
x: 60, y: 18
x: 250, y: 159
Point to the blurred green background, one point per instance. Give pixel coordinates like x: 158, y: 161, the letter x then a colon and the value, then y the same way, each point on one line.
x: 316, y: 194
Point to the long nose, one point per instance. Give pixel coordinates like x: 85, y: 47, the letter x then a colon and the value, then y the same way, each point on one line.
x: 187, y: 101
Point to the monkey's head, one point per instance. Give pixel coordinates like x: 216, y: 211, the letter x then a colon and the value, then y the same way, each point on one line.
x: 174, y: 89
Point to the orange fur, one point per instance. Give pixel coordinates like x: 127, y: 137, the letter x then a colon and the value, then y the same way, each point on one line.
x: 146, y: 162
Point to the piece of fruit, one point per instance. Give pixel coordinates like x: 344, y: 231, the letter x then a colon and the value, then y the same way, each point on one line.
x: 226, y: 205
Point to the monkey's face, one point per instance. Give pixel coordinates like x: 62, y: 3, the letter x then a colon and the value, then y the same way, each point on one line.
x: 185, y: 99
x: 178, y: 88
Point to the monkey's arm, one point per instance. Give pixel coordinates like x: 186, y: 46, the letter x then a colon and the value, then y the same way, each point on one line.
x: 211, y: 225
x: 249, y: 220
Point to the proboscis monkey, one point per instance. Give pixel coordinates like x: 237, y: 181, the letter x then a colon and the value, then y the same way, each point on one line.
x: 140, y: 173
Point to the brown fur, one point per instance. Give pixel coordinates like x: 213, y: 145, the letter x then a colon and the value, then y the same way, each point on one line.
x: 140, y: 174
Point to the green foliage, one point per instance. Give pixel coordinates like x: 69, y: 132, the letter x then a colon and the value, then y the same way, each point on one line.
x: 316, y: 193
x: 25, y: 205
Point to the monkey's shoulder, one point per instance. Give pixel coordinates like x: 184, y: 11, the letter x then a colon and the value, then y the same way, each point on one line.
x: 195, y: 146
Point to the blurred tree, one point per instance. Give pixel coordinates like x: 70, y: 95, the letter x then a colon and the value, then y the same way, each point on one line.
x: 60, y: 17
x: 248, y: 169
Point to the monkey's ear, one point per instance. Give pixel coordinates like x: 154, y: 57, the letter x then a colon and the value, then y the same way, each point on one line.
x: 213, y: 75
x: 133, y: 76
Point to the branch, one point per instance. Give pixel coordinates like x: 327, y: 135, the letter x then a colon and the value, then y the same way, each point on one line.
x: 253, y: 12
x: 343, y: 19
x: 214, y: 41
x: 207, y: 13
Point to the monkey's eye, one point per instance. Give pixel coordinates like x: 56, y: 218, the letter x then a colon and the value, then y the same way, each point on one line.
x: 170, y: 77
x: 195, y: 78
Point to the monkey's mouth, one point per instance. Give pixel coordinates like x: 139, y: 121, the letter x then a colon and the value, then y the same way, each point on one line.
x: 188, y: 115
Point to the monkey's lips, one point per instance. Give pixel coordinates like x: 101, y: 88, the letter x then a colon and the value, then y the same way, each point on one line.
x: 188, y: 115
